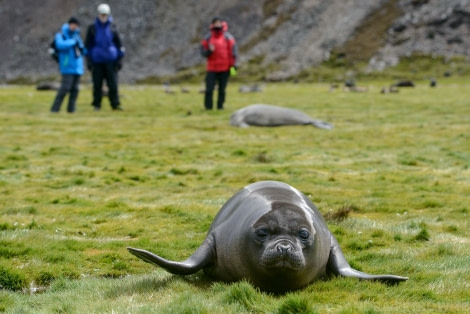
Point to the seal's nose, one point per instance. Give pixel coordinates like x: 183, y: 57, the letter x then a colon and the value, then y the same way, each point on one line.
x: 283, y: 248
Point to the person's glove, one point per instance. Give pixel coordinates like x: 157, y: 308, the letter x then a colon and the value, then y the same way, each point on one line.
x: 118, y: 65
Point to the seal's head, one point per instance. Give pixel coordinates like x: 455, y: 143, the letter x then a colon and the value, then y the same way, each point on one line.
x: 237, y: 119
x: 282, y: 245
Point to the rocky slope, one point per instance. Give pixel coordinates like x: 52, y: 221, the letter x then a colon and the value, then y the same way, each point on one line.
x: 284, y: 36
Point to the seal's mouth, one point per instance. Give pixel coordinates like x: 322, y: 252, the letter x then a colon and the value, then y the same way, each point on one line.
x: 284, y: 264
x: 283, y: 256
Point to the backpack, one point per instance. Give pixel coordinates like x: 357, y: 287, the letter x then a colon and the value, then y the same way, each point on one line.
x: 53, y: 51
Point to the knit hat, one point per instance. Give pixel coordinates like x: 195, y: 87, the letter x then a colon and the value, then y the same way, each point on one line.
x: 104, y: 9
x: 73, y: 20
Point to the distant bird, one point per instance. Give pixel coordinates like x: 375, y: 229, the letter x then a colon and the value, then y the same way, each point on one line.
x: 433, y: 82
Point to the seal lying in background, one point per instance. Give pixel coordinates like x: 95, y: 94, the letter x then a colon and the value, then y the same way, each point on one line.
x: 268, y: 115
x: 270, y: 234
x: 48, y: 86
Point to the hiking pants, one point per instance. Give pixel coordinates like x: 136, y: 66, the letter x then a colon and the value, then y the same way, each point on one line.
x: 105, y: 71
x: 221, y: 78
x: 69, y: 85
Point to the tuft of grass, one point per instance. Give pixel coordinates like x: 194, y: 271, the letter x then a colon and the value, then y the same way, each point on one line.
x: 296, y: 304
x: 423, y: 235
x: 45, y: 278
x: 11, y: 280
x: 262, y: 158
x: 243, y: 294
x: 341, y: 214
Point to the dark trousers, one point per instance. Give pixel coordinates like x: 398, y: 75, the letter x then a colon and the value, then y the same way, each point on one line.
x: 221, y: 78
x: 69, y: 85
x: 108, y: 72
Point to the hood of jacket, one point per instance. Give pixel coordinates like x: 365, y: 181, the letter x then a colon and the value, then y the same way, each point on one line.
x: 109, y: 21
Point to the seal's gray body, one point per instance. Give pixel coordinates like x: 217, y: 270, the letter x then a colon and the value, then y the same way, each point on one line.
x: 271, y: 235
x: 268, y: 115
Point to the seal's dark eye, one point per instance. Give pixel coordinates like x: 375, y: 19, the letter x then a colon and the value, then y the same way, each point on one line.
x: 262, y: 234
x: 303, y: 235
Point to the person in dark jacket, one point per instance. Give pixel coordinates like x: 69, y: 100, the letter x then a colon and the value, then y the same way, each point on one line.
x: 220, y: 49
x: 105, y: 53
x: 70, y: 47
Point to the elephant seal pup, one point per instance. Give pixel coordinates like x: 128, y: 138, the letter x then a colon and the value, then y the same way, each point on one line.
x: 273, y: 236
x: 269, y: 115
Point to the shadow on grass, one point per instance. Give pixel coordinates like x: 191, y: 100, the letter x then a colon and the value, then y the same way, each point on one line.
x: 199, y: 280
x: 156, y: 283
x: 141, y: 286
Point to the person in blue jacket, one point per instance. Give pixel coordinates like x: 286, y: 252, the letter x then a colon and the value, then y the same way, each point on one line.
x: 105, y: 57
x: 71, y: 49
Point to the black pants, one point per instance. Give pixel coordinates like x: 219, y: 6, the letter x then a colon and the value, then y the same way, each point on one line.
x: 221, y: 78
x: 69, y: 85
x: 105, y: 71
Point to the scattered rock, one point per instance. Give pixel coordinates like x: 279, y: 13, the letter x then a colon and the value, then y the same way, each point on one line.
x: 250, y: 89
x: 349, y: 83
x: 45, y: 86
x: 356, y: 89
x: 404, y: 83
x: 387, y: 90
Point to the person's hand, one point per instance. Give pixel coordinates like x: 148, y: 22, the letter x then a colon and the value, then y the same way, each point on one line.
x: 211, y: 47
x: 118, y: 65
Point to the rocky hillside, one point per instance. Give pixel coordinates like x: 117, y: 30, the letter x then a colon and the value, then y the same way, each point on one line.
x: 283, y: 36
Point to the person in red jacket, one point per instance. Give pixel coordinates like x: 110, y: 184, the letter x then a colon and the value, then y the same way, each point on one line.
x: 220, y: 49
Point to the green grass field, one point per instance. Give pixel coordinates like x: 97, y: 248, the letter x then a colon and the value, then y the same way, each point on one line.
x: 75, y: 190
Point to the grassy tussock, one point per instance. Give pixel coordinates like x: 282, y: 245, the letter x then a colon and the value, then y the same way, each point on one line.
x: 75, y: 190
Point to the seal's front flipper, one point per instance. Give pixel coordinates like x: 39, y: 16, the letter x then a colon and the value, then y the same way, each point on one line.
x: 338, y: 265
x: 322, y: 124
x: 200, y: 259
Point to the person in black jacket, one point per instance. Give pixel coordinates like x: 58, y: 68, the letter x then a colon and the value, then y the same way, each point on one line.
x: 105, y: 53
